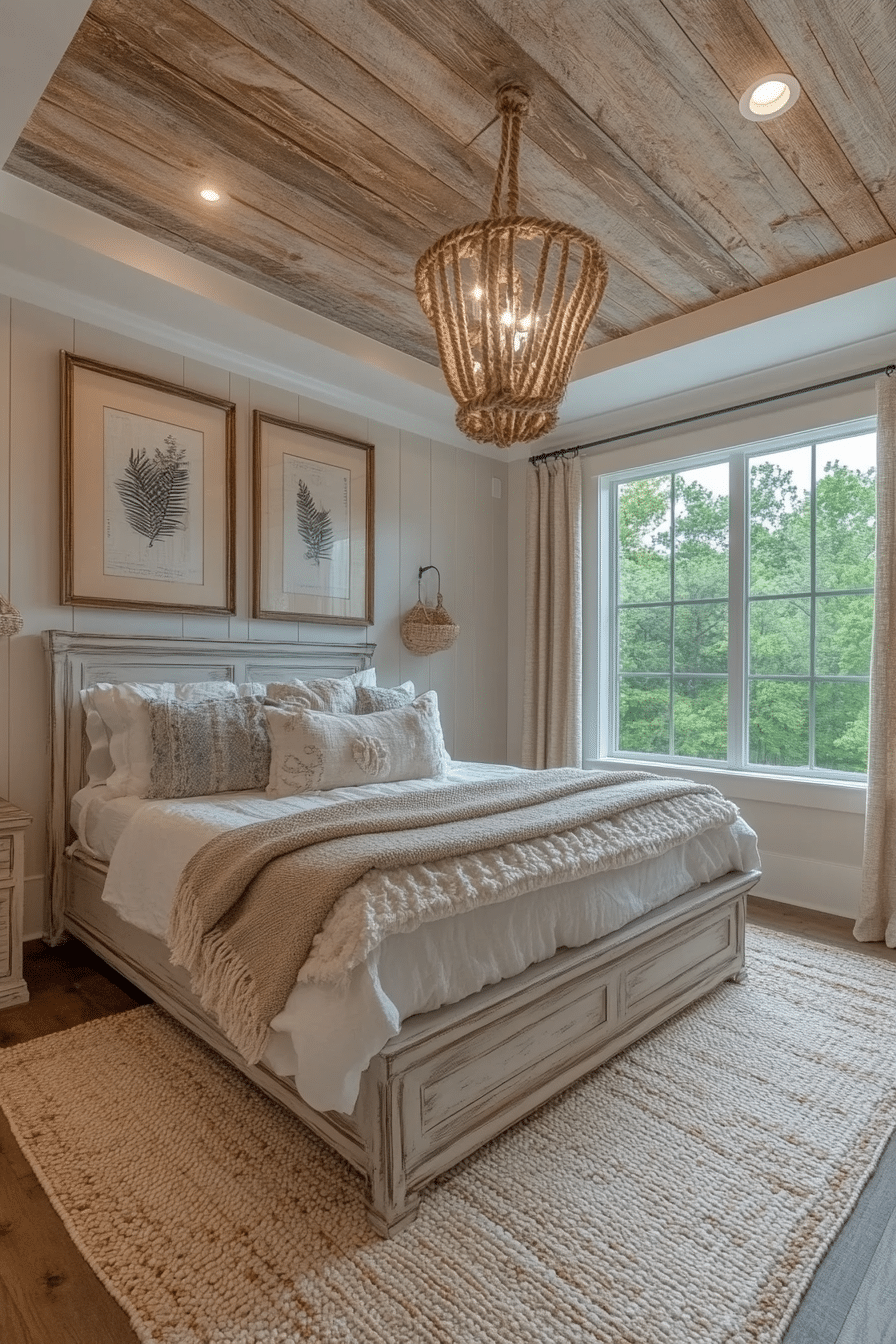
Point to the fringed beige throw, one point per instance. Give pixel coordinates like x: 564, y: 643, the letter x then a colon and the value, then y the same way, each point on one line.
x: 877, y: 911
x: 251, y: 901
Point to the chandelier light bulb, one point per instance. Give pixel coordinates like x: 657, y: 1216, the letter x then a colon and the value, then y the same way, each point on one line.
x: 209, y: 194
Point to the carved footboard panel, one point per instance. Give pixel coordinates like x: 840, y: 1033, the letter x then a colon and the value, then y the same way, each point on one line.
x: 453, y: 1079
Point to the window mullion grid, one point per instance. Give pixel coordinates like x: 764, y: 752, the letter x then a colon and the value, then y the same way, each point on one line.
x: 672, y: 610
x: 740, y: 603
x: 812, y: 608
x: 738, y: 607
x: 613, y: 708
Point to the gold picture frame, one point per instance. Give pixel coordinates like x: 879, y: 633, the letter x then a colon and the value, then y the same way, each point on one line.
x: 148, y: 492
x: 313, y: 512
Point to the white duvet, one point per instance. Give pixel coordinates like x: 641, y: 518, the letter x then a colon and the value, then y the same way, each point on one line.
x: 326, y: 1034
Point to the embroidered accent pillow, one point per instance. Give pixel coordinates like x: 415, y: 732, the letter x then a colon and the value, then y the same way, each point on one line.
x: 311, y: 750
x: 211, y: 747
x: 332, y: 695
x: 372, y: 698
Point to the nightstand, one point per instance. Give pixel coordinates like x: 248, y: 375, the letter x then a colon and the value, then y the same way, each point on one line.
x: 13, y: 822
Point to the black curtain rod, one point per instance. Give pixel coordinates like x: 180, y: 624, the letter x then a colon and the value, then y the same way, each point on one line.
x: 561, y: 452
x: 888, y: 369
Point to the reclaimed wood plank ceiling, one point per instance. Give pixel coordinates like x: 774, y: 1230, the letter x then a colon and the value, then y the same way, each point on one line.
x: 347, y: 135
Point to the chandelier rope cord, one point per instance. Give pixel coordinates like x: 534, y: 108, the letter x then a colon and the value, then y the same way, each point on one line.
x: 513, y: 104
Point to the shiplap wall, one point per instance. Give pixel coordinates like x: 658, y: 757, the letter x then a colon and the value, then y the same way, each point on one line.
x: 434, y: 505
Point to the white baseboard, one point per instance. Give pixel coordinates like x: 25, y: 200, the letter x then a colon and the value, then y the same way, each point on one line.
x: 813, y: 884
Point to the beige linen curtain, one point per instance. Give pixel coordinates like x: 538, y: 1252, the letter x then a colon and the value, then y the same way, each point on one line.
x: 877, y: 911
x: 552, y: 699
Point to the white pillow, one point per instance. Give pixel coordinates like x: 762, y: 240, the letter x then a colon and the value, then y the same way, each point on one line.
x: 332, y: 695
x: 312, y: 750
x: 122, y: 709
x: 99, y: 760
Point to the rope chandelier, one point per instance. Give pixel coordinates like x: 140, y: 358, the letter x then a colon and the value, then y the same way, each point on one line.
x: 510, y: 299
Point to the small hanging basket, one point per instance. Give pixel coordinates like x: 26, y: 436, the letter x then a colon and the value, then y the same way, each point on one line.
x: 426, y: 629
x: 10, y: 618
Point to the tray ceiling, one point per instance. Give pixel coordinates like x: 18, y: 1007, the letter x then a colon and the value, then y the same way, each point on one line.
x: 346, y: 136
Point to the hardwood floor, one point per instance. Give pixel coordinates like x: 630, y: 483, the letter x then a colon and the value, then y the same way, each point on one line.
x: 852, y: 1298
x: 49, y: 1295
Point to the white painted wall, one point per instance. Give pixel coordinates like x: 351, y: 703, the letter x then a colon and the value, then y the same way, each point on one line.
x: 810, y: 834
x: 434, y: 505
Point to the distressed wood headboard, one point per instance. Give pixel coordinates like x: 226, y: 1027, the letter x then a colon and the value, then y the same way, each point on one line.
x: 77, y: 661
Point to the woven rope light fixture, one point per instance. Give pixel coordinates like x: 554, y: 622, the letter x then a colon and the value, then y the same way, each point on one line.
x: 510, y: 298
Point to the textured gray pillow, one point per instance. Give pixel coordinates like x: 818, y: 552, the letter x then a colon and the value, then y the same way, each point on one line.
x: 210, y: 747
x: 121, y: 707
x: 370, y: 699
x: 333, y: 695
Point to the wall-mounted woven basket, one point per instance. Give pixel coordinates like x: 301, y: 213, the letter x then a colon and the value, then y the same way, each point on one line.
x: 428, y: 629
x: 10, y: 618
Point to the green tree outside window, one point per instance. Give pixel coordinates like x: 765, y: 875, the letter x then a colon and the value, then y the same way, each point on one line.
x: 807, y: 611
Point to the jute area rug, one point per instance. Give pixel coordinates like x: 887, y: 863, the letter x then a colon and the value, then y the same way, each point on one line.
x: 683, y: 1194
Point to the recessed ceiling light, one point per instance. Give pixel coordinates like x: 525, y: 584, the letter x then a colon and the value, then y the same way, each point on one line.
x: 769, y: 97
x: 209, y: 194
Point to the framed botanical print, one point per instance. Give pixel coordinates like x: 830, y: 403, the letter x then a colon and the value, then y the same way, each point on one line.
x: 148, y: 480
x: 313, y: 524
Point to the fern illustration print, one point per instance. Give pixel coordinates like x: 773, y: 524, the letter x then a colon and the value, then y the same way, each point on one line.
x: 315, y: 539
x: 315, y: 526
x: 155, y: 491
x: 154, y: 499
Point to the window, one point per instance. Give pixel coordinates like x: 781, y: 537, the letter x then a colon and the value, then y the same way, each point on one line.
x: 740, y: 593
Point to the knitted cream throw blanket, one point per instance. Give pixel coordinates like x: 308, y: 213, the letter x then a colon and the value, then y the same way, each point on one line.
x: 250, y: 902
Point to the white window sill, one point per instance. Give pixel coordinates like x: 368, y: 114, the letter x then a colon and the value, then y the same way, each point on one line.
x: 830, y: 795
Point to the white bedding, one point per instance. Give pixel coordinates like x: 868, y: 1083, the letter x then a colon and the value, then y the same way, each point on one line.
x: 326, y: 1035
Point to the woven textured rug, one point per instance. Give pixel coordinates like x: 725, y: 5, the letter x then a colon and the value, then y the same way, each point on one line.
x: 683, y: 1193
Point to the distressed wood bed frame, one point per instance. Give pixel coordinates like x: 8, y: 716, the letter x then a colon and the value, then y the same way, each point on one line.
x: 452, y: 1079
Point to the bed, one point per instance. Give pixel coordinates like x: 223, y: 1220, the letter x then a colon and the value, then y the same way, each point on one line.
x: 452, y: 1076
